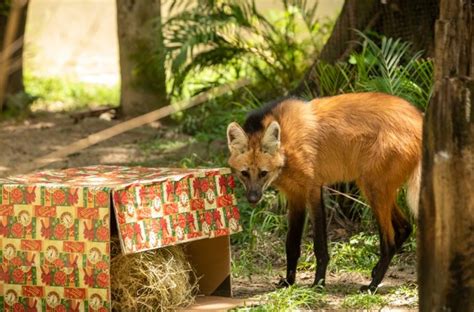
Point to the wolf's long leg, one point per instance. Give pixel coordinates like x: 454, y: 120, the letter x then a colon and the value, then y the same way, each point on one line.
x: 382, y: 198
x: 317, y: 212
x: 296, y: 218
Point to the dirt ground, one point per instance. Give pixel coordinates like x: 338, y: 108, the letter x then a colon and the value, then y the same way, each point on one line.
x: 22, y: 141
x: 338, y: 286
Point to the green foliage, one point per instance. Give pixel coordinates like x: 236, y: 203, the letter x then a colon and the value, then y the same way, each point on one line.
x: 17, y: 105
x: 263, y: 226
x: 214, y: 42
x: 333, y: 79
x: 160, y: 145
x: 5, y: 7
x: 364, y: 301
x: 359, y: 208
x: 358, y: 254
x: 383, y: 65
x: 209, y: 122
x: 234, y: 34
x: 54, y: 93
x: 289, y: 299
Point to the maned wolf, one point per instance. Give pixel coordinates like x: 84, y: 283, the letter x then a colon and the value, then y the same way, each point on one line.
x: 373, y: 139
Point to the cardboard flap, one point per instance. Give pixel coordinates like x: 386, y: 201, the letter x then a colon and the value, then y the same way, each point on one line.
x: 210, y: 259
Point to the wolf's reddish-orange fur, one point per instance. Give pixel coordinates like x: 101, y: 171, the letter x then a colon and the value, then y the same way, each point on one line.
x: 371, y: 138
x: 332, y: 140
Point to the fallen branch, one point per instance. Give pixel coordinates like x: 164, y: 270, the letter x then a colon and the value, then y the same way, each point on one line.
x: 130, y: 124
x: 95, y: 112
x: 334, y: 191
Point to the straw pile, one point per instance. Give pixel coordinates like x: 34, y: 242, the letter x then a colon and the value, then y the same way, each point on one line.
x: 154, y: 280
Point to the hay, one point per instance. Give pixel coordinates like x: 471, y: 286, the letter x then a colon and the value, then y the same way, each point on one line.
x: 154, y: 280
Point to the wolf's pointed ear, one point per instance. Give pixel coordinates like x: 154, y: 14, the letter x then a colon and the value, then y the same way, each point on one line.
x: 271, y: 138
x: 237, y: 139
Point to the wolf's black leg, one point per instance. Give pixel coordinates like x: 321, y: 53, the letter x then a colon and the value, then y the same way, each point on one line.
x: 296, y: 217
x: 320, y: 244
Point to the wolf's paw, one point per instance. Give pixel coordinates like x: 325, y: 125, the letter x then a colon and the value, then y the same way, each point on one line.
x: 368, y: 289
x: 283, y: 283
x: 318, y: 284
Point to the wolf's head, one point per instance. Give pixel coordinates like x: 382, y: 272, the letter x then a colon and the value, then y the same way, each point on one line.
x: 256, y: 158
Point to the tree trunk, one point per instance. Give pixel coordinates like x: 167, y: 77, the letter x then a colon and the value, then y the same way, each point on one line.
x: 142, y: 56
x: 446, y: 219
x: 15, y: 77
x: 410, y: 20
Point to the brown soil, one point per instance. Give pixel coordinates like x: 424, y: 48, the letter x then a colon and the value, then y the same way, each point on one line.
x: 25, y: 140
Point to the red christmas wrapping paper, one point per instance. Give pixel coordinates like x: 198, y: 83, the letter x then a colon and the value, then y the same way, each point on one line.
x: 55, y: 227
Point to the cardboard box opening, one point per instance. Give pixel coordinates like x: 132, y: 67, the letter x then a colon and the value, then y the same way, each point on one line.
x: 210, y: 259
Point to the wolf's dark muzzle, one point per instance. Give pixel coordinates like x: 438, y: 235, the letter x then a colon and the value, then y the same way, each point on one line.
x: 253, y: 196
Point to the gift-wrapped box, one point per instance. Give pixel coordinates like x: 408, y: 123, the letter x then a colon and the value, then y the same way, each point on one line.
x: 55, y: 229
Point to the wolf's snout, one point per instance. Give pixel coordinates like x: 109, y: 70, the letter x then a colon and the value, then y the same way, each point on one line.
x: 254, y: 196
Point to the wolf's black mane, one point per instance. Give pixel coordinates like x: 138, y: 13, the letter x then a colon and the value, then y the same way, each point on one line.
x: 253, y: 122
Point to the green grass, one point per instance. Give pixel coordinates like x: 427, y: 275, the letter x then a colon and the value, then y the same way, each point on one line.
x: 358, y: 254
x: 60, y: 94
x: 289, y: 299
x: 406, y: 292
x: 364, y: 301
x: 264, y: 228
x: 160, y: 145
x: 183, y: 151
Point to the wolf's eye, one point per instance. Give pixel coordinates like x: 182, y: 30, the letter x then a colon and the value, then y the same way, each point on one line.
x: 263, y: 173
x: 245, y: 173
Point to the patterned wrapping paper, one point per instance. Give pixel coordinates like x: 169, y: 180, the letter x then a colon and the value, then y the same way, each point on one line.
x: 55, y: 227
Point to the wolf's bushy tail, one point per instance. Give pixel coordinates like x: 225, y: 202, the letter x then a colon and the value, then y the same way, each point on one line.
x: 413, y: 189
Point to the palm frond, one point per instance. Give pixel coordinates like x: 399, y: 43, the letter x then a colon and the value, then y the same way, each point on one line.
x: 206, y: 59
x: 383, y: 65
x: 213, y: 28
x: 332, y: 79
x: 392, y: 67
x: 422, y: 73
x: 308, y: 12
